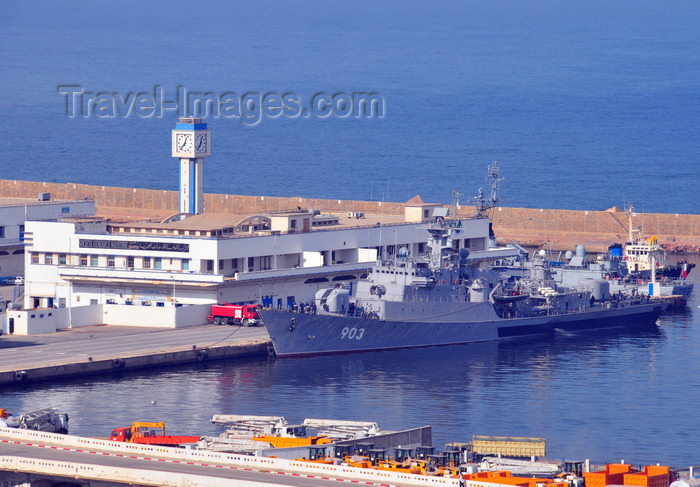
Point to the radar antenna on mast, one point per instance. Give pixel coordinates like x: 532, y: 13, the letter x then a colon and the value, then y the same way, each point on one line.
x: 483, y: 204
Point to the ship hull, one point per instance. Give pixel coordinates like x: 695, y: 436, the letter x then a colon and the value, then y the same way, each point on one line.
x: 298, y: 334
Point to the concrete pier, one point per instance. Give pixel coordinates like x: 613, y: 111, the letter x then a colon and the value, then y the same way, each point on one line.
x: 110, y: 349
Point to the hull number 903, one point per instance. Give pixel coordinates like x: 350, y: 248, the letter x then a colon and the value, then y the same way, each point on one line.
x: 352, y: 333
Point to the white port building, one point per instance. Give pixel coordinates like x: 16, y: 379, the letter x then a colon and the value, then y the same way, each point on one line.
x: 14, y: 212
x: 88, y: 270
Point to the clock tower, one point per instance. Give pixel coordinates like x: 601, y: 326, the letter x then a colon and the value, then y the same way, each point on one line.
x: 191, y: 143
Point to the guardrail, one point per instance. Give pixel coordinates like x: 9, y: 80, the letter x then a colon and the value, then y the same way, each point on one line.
x: 132, y: 273
x: 265, y: 464
x: 128, y: 476
x: 11, y: 241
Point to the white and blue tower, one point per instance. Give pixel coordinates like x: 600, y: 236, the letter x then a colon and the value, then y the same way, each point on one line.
x: 191, y: 143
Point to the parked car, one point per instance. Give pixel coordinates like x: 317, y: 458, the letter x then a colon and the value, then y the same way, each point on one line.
x: 16, y: 281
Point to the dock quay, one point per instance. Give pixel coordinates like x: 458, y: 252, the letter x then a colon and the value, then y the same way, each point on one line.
x: 109, y: 349
x: 35, y: 457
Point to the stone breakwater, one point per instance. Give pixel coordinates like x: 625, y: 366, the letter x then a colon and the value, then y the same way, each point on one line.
x: 560, y: 229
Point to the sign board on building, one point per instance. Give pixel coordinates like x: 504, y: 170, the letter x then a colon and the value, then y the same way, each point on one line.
x: 85, y: 243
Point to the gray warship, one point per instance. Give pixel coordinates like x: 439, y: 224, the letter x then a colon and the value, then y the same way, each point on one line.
x: 614, y: 269
x: 447, y: 298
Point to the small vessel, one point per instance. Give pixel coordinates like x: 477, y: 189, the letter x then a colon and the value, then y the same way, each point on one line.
x: 448, y: 298
x: 644, y: 254
x: 45, y: 419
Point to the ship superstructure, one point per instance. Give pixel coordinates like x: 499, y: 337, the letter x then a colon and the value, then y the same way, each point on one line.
x: 449, y: 297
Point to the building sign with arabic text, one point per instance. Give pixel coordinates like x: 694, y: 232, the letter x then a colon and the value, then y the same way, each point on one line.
x: 133, y: 245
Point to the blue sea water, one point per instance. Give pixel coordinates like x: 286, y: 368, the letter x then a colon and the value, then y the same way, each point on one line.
x: 605, y: 396
x: 584, y: 105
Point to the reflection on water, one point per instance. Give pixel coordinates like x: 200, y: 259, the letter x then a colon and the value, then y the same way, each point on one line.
x: 608, y: 396
x: 603, y: 396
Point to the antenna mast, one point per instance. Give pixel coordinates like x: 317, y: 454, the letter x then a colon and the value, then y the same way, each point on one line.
x: 455, y: 202
x: 484, y: 205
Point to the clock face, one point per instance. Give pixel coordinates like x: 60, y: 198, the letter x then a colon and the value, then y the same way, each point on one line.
x: 201, y: 143
x: 185, y: 142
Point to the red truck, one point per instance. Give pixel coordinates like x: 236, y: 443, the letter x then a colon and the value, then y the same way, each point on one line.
x: 150, y: 434
x: 230, y: 314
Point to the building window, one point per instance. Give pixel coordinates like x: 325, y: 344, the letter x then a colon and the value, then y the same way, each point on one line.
x: 48, y: 259
x: 62, y: 259
x: 94, y: 261
x: 146, y: 262
x: 2, y: 232
x: 158, y: 263
x: 21, y: 233
x: 292, y: 224
x: 221, y: 264
x: 130, y: 262
x: 83, y: 259
x: 93, y: 301
x: 421, y: 248
x: 111, y: 261
x: 185, y: 264
x: 251, y: 263
x: 61, y: 302
x: 35, y: 258
x: 210, y: 265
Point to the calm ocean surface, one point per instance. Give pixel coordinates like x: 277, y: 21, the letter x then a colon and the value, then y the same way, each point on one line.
x: 584, y: 106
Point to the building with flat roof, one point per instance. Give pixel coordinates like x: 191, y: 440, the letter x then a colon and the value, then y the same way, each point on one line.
x: 14, y: 212
x: 212, y: 257
x: 276, y: 259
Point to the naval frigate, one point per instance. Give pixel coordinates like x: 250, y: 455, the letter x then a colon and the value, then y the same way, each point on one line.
x: 447, y: 298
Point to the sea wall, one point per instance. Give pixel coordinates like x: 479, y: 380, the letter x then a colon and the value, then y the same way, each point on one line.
x: 167, y: 201
x: 531, y: 226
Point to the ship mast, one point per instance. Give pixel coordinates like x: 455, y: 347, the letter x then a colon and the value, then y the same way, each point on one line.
x: 484, y: 205
x: 629, y: 212
x: 455, y: 202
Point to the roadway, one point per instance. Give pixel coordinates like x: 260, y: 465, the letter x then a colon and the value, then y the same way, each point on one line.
x: 153, y: 463
x: 106, y: 342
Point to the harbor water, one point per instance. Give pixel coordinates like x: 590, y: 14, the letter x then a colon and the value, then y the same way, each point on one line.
x: 606, y: 396
x: 584, y: 106
x: 592, y: 105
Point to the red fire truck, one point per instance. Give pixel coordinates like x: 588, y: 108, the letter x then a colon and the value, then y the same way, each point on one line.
x: 234, y: 314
